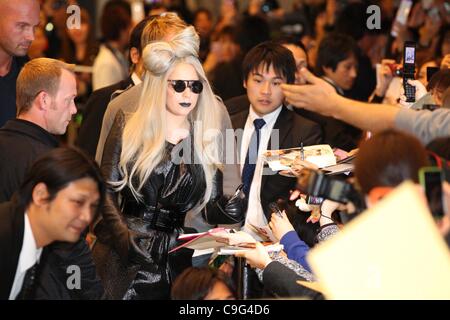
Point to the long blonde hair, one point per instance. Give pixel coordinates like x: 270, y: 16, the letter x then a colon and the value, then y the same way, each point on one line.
x: 144, y: 138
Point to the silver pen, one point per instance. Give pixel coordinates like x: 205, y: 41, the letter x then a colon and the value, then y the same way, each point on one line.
x: 302, y: 152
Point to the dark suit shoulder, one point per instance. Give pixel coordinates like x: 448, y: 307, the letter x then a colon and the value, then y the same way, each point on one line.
x: 11, y: 239
x: 237, y: 104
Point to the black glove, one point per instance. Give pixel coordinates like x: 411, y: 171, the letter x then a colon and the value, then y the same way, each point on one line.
x: 136, y: 248
x: 226, y: 210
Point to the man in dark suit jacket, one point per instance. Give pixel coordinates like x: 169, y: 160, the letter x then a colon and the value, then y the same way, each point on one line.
x: 265, y: 68
x: 262, y: 116
x: 31, y: 222
x: 11, y: 238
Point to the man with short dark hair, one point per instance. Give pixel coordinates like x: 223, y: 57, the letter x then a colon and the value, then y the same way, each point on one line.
x: 19, y: 19
x: 57, y: 201
x: 266, y: 124
x: 336, y: 61
x: 265, y: 68
x: 337, y: 64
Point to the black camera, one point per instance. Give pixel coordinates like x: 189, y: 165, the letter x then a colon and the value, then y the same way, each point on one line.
x: 317, y: 184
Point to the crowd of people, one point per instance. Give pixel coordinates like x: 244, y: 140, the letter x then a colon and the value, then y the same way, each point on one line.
x: 173, y: 115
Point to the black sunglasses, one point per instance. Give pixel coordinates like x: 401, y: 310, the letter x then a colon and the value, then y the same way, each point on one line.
x: 179, y: 86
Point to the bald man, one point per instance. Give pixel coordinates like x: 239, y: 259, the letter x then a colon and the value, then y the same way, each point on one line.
x: 17, y: 25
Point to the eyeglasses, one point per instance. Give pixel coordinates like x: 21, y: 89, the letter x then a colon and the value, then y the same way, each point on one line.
x: 179, y: 86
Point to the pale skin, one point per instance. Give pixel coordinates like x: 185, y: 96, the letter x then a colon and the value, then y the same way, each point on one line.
x: 17, y: 27
x: 177, y: 115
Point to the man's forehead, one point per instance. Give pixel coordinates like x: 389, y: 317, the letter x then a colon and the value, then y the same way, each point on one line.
x: 23, y: 11
x: 267, y: 71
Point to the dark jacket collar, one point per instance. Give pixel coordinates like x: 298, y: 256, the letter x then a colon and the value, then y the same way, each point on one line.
x: 12, y: 231
x: 32, y: 130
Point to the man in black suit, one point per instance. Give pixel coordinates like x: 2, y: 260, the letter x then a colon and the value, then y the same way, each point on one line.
x: 265, y: 67
x: 265, y: 123
x: 57, y: 201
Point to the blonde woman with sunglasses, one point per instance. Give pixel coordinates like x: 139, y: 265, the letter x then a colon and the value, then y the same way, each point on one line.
x: 162, y: 161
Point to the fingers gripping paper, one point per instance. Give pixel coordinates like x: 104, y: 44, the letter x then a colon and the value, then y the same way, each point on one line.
x: 391, y: 251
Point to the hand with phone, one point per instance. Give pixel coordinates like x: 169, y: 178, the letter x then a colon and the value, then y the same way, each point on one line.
x: 419, y: 91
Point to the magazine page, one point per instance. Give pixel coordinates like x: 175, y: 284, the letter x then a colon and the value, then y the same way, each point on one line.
x: 321, y: 155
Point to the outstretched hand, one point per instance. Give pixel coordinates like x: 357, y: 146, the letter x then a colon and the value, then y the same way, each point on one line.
x: 317, y: 95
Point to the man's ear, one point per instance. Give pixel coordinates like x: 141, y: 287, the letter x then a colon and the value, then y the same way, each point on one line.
x: 134, y: 55
x: 244, y: 83
x: 327, y: 71
x: 40, y: 194
x: 43, y: 100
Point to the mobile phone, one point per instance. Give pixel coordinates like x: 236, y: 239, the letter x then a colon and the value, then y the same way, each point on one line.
x: 409, y: 70
x: 274, y: 208
x: 313, y: 200
x: 431, y: 179
x: 402, y: 15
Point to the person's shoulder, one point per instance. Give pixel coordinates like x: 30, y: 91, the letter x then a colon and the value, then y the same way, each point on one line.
x: 237, y: 105
x: 300, y: 119
x: 21, y: 61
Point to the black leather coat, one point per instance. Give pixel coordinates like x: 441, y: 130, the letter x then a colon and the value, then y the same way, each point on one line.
x: 142, y: 232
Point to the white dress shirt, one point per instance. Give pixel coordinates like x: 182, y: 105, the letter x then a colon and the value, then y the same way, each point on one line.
x: 255, y: 214
x: 29, y: 255
x: 108, y: 68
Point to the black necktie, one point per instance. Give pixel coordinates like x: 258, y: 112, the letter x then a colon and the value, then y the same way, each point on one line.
x: 28, y: 285
x: 252, y: 156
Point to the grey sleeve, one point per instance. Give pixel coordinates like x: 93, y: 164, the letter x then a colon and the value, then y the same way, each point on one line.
x: 424, y: 124
x: 108, y: 120
x: 128, y: 102
x: 231, y: 174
